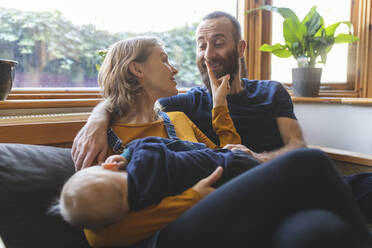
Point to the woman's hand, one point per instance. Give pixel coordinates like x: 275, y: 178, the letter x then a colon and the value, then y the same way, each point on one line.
x: 220, y: 87
x: 204, y: 186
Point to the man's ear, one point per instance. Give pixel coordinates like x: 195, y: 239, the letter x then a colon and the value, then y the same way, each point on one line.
x: 241, y: 48
x: 136, y: 69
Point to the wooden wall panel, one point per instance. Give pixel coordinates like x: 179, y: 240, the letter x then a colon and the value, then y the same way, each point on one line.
x: 257, y: 30
x: 363, y: 30
x: 56, y: 134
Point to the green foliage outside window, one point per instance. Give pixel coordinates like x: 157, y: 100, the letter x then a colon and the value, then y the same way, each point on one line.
x: 52, y: 51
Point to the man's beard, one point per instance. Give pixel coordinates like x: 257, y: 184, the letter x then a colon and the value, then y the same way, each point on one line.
x: 230, y: 65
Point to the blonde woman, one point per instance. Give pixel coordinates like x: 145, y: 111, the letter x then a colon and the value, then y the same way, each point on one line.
x: 135, y: 73
x: 256, y: 209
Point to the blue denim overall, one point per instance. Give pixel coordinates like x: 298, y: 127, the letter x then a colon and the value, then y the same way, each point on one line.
x: 172, y: 142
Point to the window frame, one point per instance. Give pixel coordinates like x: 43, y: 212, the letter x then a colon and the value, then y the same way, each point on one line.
x: 258, y: 26
x: 54, y: 93
x: 257, y: 30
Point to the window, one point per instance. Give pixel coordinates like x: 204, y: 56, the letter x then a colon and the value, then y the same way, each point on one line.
x: 347, y: 74
x: 56, y: 43
x: 335, y: 70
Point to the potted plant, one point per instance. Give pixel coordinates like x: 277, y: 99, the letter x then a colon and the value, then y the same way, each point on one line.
x: 309, y: 42
x: 6, y: 77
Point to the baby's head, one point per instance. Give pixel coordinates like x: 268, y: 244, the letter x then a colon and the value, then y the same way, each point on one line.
x: 95, y: 197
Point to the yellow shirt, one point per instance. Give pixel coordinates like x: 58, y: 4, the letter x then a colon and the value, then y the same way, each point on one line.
x: 144, y: 223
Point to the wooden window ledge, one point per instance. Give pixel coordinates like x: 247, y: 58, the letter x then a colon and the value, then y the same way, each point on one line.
x: 334, y: 100
x: 346, y: 156
x: 49, y: 103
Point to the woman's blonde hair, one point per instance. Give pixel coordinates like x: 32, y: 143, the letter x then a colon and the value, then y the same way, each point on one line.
x: 121, y: 87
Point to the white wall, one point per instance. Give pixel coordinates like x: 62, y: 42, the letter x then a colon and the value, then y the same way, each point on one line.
x: 341, y: 126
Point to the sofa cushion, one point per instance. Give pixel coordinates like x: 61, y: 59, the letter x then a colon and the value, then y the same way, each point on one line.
x: 31, y: 178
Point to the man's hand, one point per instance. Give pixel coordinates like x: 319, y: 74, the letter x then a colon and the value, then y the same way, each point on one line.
x: 90, y: 145
x: 220, y: 87
x: 261, y: 157
x: 204, y: 186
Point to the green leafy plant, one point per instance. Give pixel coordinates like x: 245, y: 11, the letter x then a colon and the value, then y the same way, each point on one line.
x: 306, y: 40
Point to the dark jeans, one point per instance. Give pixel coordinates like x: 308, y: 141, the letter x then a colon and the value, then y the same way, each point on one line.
x: 361, y: 186
x: 250, y: 210
x: 313, y: 228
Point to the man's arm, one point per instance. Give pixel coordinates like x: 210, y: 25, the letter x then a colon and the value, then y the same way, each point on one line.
x: 90, y: 144
x: 291, y: 134
x: 290, y: 130
x: 292, y: 137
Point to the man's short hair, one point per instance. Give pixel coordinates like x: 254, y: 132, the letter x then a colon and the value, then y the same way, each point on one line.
x: 237, y: 33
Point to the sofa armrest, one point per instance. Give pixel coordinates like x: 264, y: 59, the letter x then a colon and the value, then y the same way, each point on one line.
x: 31, y: 178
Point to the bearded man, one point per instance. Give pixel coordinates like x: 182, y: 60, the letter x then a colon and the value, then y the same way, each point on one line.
x: 261, y: 110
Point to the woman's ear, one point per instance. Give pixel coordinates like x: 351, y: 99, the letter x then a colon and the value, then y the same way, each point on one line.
x: 136, y: 69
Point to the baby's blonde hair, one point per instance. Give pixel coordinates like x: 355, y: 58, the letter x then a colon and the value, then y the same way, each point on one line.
x: 91, y: 199
x: 120, y: 86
